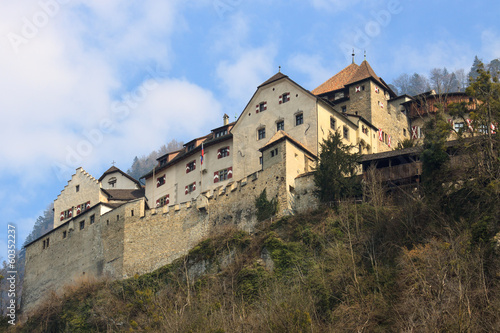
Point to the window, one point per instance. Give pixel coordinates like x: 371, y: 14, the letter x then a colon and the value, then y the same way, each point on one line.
x: 261, y: 133
x: 223, y: 175
x: 46, y: 243
x: 332, y: 123
x: 284, y: 98
x: 190, y: 188
x: 190, y: 166
x: 220, y: 133
x: 190, y: 146
x: 117, y: 217
x: 163, y: 161
x: 132, y: 212
x: 280, y: 125
x: 64, y: 234
x: 459, y: 127
x: 483, y: 129
x: 260, y: 160
x: 344, y: 109
x: 112, y: 182
x: 82, y: 225
x: 346, y: 132
x: 404, y: 131
x: 78, y: 188
x: 160, y: 181
x: 262, y: 107
x: 274, y: 152
x: 92, y: 219
x: 82, y: 207
x: 165, y: 200
x: 299, y: 119
x: 223, y: 152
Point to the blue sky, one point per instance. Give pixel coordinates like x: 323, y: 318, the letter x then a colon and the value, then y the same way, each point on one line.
x: 86, y: 83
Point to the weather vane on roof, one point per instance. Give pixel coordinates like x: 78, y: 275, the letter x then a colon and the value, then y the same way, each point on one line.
x: 365, y: 54
x: 113, y: 162
x: 279, y: 69
x: 353, y: 54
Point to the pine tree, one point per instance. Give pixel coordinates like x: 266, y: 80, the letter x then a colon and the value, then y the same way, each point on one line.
x: 335, y: 176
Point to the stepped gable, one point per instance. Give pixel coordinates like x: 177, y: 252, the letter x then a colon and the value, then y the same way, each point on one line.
x: 338, y: 81
x: 114, y: 169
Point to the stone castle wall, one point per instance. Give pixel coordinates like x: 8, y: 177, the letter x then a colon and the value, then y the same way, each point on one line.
x: 131, y: 240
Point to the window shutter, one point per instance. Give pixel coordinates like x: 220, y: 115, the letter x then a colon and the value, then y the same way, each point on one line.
x: 194, y: 186
x: 70, y: 213
x: 62, y: 216
x: 158, y: 203
x: 288, y: 97
x: 216, y: 176
x: 228, y: 148
x: 230, y: 172
x: 218, y: 154
x: 469, y: 124
x: 187, y: 168
x: 78, y: 209
x: 265, y: 106
x: 167, y: 199
x: 281, y: 99
x: 380, y: 135
x: 257, y: 108
x: 194, y: 164
x: 186, y: 191
x: 414, y: 133
x: 88, y: 204
x: 389, y: 140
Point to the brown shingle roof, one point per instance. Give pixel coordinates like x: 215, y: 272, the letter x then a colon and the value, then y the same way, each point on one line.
x: 338, y: 81
x: 124, y: 195
x: 364, y: 72
x: 275, y: 77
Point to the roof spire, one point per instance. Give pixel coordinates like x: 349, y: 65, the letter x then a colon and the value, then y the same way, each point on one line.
x: 353, y: 56
x: 279, y: 69
x: 365, y: 55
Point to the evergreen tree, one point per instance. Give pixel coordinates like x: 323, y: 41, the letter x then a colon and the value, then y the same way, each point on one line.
x: 473, y: 74
x: 44, y: 223
x: 335, y: 176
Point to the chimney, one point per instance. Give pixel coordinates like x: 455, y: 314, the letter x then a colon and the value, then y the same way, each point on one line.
x: 226, y: 119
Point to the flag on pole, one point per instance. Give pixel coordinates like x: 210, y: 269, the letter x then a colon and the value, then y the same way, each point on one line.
x: 202, y: 153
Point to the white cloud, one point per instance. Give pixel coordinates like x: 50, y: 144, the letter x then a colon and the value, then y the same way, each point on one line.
x: 241, y: 76
x: 490, y: 41
x: 311, y: 66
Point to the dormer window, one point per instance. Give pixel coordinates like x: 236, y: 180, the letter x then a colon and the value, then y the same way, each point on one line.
x: 190, y: 146
x: 163, y: 161
x: 221, y: 133
x: 112, y: 182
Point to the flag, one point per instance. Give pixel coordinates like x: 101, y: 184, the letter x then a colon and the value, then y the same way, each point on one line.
x: 202, y: 153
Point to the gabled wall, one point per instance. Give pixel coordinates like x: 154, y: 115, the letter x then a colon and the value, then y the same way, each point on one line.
x: 122, y: 182
x: 70, y: 198
x: 245, y: 132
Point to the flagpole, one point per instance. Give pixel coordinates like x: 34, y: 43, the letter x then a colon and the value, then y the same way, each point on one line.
x: 201, y: 169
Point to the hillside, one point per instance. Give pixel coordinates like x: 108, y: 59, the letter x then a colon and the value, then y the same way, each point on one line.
x: 394, y: 263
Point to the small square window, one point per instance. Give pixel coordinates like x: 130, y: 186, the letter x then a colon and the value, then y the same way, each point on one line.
x: 459, y: 127
x: 274, y: 152
x: 280, y: 125
x: 92, y: 219
x: 262, y: 107
x: 78, y: 188
x: 64, y: 234
x: 261, y: 133
x: 82, y: 225
x: 299, y: 119
x: 344, y: 109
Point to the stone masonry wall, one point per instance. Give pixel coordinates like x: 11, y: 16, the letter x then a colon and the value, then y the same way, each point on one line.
x: 167, y: 233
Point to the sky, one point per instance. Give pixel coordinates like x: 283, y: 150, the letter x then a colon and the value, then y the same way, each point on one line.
x: 89, y: 83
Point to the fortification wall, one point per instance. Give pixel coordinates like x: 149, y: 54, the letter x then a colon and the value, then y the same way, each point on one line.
x: 167, y: 233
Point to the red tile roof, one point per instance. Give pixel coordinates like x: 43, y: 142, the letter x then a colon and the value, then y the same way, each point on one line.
x: 338, y: 81
x: 364, y: 72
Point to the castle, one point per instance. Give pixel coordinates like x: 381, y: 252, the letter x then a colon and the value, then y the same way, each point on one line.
x: 113, y: 226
